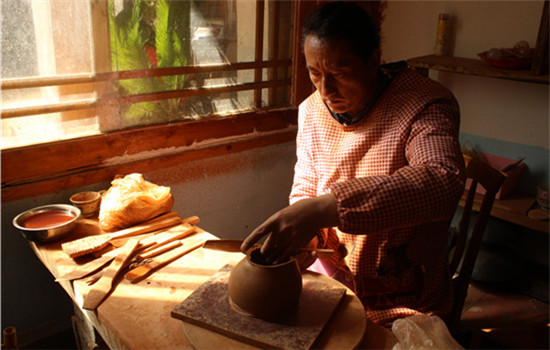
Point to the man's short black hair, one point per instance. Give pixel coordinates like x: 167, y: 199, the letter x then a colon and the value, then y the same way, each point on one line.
x: 344, y: 20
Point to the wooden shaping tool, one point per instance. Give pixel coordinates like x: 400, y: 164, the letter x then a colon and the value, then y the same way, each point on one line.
x: 149, y: 243
x: 91, y: 244
x: 158, y: 250
x: 141, y: 272
x: 95, y: 277
x: 168, y: 236
x: 102, y: 287
x: 89, y: 268
x: 192, y: 220
x: 153, y: 246
x: 234, y: 245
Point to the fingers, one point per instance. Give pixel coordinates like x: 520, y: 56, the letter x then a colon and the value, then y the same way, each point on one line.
x: 271, y: 249
x: 277, y: 248
x: 281, y: 251
x: 286, y: 231
x: 261, y: 231
x: 254, y: 237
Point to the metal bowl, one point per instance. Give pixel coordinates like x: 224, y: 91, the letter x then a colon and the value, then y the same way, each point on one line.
x: 47, y: 234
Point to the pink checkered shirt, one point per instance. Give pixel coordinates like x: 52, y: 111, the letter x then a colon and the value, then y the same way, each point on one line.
x: 397, y: 176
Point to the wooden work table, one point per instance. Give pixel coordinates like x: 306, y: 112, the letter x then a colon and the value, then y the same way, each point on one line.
x: 138, y: 315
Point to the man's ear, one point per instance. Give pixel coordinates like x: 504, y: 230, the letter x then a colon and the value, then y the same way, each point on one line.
x: 376, y: 56
x: 374, y: 61
x: 372, y: 64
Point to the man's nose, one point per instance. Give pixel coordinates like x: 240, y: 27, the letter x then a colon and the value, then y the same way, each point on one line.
x: 327, y: 86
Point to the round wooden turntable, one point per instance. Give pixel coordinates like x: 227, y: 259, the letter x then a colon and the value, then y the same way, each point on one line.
x: 330, y: 316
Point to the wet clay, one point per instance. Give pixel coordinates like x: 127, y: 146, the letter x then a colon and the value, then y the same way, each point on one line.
x: 268, y: 292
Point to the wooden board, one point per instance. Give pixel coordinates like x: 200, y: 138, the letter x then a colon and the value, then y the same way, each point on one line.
x: 208, y: 307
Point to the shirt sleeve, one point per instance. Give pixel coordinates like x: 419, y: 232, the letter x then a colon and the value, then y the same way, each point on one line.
x: 305, y: 177
x: 425, y: 190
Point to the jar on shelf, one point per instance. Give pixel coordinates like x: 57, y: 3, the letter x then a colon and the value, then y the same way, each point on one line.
x: 442, y: 39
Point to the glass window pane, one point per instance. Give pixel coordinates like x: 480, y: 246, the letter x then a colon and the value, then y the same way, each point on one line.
x: 54, y: 39
x: 35, y: 44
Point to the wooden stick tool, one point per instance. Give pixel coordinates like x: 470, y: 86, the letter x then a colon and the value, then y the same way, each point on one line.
x: 101, y: 288
x: 170, y: 236
x: 150, y: 246
x: 90, y: 267
x: 158, y: 236
x: 234, y: 245
x: 140, y: 272
x: 91, y: 244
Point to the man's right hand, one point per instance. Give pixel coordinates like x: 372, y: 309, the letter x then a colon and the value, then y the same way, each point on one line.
x: 294, y: 227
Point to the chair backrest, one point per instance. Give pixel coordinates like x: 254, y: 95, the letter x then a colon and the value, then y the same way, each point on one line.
x: 466, y: 250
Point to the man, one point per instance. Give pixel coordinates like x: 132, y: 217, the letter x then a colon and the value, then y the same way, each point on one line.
x: 378, y: 175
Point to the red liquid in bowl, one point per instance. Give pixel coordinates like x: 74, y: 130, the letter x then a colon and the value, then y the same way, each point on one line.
x: 48, y: 219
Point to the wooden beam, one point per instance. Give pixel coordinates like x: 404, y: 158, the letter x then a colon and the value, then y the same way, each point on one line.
x: 302, y: 86
x: 259, y: 49
x: 540, y: 61
x: 39, y: 169
x: 83, y: 78
x: 273, y: 47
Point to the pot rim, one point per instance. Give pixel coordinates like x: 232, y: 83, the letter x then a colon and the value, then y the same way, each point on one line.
x: 254, y: 248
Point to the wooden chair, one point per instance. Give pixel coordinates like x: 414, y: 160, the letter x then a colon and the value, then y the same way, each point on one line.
x: 464, y: 253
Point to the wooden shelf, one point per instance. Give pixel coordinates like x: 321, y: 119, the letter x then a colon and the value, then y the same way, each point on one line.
x: 513, y: 208
x: 472, y: 67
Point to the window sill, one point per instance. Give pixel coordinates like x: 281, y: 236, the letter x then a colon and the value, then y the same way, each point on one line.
x: 46, y: 168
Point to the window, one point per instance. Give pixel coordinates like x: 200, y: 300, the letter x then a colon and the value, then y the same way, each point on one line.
x: 67, y: 112
x: 79, y: 68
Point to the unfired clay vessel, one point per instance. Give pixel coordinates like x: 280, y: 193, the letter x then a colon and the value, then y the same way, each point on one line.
x: 268, y: 292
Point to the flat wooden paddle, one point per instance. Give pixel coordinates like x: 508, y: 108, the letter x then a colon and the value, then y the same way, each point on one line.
x: 91, y: 244
x: 90, y: 267
x: 152, y: 264
x: 190, y: 221
x: 150, y: 246
x: 168, y: 236
x: 158, y: 250
x: 101, y: 288
x: 234, y: 245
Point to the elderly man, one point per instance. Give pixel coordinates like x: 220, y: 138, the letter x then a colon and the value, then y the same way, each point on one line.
x: 378, y: 175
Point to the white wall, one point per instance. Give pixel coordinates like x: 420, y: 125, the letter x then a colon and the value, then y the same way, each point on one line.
x: 409, y: 27
x: 498, y: 116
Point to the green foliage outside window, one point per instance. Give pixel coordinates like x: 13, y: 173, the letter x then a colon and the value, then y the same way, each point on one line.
x: 149, y: 34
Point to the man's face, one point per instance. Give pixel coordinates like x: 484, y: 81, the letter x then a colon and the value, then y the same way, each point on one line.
x: 345, y: 81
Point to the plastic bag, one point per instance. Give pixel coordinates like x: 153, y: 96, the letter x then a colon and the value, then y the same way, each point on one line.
x: 422, y: 332
x: 131, y: 200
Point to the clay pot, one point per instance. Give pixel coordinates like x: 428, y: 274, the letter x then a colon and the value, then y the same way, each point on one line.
x: 268, y: 292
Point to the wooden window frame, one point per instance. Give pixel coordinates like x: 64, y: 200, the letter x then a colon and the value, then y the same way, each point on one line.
x: 40, y: 169
x: 49, y: 167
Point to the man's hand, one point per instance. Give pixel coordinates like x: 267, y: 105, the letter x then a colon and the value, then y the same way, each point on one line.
x: 293, y: 227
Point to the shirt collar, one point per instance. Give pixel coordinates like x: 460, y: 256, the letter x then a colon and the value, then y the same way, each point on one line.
x: 386, y: 76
